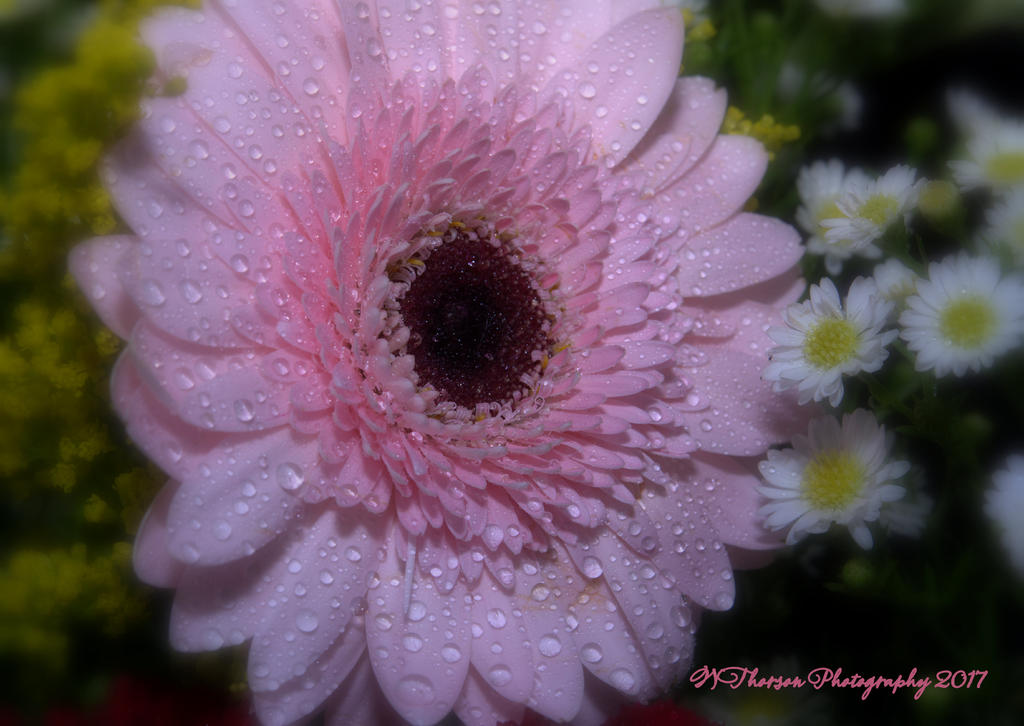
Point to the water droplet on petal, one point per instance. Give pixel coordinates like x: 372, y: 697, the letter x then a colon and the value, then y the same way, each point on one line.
x: 416, y: 690
x: 153, y: 293
x: 496, y: 617
x: 451, y: 653
x: 245, y: 412
x: 306, y: 621
x: 499, y: 675
x: 623, y: 680
x: 591, y: 653
x: 592, y: 567
x: 290, y: 476
x: 550, y: 646
x: 417, y: 611
x: 221, y: 530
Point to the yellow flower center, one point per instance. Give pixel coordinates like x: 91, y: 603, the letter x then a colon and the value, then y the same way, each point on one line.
x: 879, y: 209
x: 967, y: 322
x: 1006, y: 168
x: 832, y: 480
x: 828, y: 210
x: 831, y: 342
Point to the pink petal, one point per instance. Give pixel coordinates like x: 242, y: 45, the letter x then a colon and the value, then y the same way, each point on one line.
x: 235, y: 74
x: 558, y: 674
x: 365, y: 56
x: 420, y: 656
x: 655, y: 609
x: 317, y: 594
x: 359, y: 701
x: 621, y: 99
x: 151, y: 559
x: 186, y: 291
x: 606, y: 644
x: 746, y: 250
x: 714, y: 189
x: 240, y: 507
x: 501, y: 653
x: 745, y: 417
x: 215, y: 606
x: 728, y: 489
x: 294, y: 44
x: 600, y: 702
x: 415, y: 39
x: 690, y: 553
x: 175, y: 446
x: 304, y: 694
x: 94, y: 267
x: 152, y: 201
x: 682, y: 133
x: 213, y: 389
x: 481, y: 705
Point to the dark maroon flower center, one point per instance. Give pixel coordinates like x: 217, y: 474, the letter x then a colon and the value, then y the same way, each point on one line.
x: 475, y: 320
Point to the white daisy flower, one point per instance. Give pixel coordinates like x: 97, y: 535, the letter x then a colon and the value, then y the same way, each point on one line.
x: 821, y: 341
x: 1004, y: 504
x: 1004, y: 229
x: 895, y: 281
x: 876, y: 9
x: 870, y: 208
x: 820, y: 187
x: 995, y: 146
x: 963, y: 316
x: 835, y: 474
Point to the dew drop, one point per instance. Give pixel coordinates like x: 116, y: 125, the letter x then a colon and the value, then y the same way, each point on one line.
x: 550, y: 646
x: 240, y: 264
x: 499, y: 675
x: 416, y: 690
x: 221, y: 530
x: 191, y: 291
x: 622, y: 679
x: 326, y: 577
x: 245, y: 412
x: 496, y: 617
x: 183, y: 378
x: 412, y: 642
x: 592, y: 567
x: 212, y: 639
x: 153, y: 293
x: 591, y: 653
x: 306, y: 621
x: 417, y: 611
x: 540, y: 592
x: 587, y: 90
x: 451, y: 653
x: 290, y: 476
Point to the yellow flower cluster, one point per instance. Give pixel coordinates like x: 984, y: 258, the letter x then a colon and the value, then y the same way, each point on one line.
x: 66, y: 118
x: 45, y: 593
x: 766, y: 129
x: 64, y: 463
x: 697, y: 30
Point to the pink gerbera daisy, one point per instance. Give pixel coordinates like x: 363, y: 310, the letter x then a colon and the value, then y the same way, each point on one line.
x: 445, y: 323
